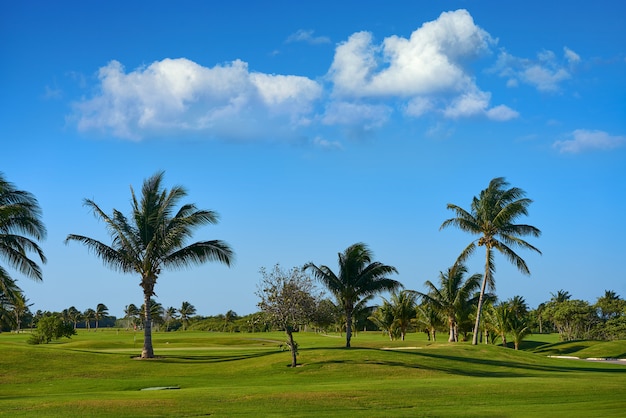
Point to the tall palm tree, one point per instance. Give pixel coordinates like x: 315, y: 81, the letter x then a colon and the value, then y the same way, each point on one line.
x: 100, y: 312
x: 452, y: 296
x: 358, y: 278
x: 492, y: 216
x: 186, y: 311
x: 154, y: 238
x: 20, y: 228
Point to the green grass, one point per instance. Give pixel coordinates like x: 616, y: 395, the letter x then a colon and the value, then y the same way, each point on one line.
x: 217, y: 374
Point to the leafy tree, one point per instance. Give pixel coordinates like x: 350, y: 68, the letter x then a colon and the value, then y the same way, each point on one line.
x: 51, y: 327
x: 100, y: 312
x: 573, y: 318
x: 288, y: 301
x: 358, y: 278
x: 326, y: 314
x: 453, y: 296
x: 492, y: 216
x: 186, y: 310
x: 154, y: 238
x: 610, y: 305
x: 20, y: 229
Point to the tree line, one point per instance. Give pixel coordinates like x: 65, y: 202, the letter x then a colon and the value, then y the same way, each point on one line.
x: 155, y: 236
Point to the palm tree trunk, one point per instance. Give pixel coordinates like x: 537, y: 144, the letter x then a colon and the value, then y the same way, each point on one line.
x: 452, y: 337
x: 147, y: 351
x: 483, y: 286
x: 348, y: 327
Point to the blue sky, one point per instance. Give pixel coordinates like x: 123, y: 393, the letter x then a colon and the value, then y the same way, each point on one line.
x: 310, y: 127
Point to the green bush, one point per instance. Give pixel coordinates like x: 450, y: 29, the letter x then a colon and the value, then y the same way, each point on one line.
x: 51, y: 328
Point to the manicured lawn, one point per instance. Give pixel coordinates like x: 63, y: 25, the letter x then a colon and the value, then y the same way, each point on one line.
x: 217, y: 374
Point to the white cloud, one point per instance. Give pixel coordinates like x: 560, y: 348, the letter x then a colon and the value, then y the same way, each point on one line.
x: 366, y: 116
x: 430, y: 61
x: 502, y: 113
x: 307, y: 36
x: 180, y: 95
x: 546, y: 72
x: 571, y: 56
x: 326, y: 144
x: 586, y: 140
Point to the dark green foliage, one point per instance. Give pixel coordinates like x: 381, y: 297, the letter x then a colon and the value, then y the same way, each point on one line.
x: 51, y: 328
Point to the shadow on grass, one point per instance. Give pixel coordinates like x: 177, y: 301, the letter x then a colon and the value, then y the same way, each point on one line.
x: 468, y: 366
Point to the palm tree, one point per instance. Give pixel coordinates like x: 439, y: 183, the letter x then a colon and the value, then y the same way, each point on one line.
x: 428, y: 319
x: 20, y: 307
x: 453, y: 295
x: 169, y: 316
x: 20, y: 228
x: 403, y: 310
x: 560, y: 296
x: 88, y: 315
x: 100, y: 312
x: 74, y: 315
x: 382, y: 317
x: 492, y: 216
x: 154, y: 238
x: 131, y: 313
x: 358, y: 278
x: 186, y: 311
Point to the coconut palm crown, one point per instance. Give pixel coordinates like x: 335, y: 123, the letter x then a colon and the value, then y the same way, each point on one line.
x: 492, y: 217
x: 154, y: 237
x: 20, y: 229
x: 359, y: 277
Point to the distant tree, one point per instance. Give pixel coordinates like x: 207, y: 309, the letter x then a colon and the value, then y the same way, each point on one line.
x: 403, y: 305
x: 560, y: 296
x: 51, y: 327
x: 428, y: 319
x: 453, y: 296
x: 88, y: 316
x: 610, y: 305
x: 74, y: 315
x: 288, y: 299
x: 358, y: 277
x: 169, y: 316
x: 383, y: 318
x: 154, y: 238
x: 19, y: 307
x: 229, y: 318
x: 100, y: 312
x: 326, y: 314
x: 574, y: 319
x: 20, y: 229
x: 492, y: 216
x: 186, y: 310
x: 131, y: 314
x: 155, y: 314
